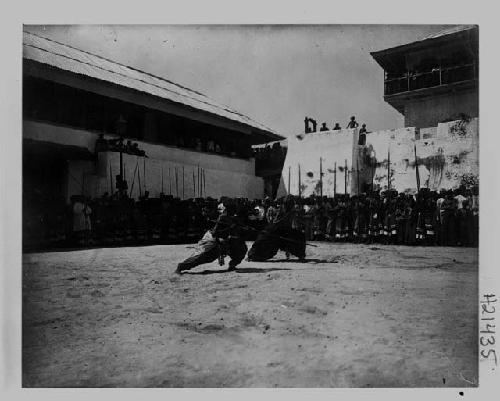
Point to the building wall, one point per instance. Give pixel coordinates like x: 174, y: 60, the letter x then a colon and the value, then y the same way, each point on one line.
x: 445, y: 154
x: 306, y: 150
x: 225, y: 176
x: 429, y: 112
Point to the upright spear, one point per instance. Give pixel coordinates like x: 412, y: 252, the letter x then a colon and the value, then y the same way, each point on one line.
x: 176, y: 182
x: 204, y: 183
x: 182, y: 182
x: 139, y: 178
x: 289, y: 172
x: 320, y: 177
x: 357, y: 171
x: 300, y: 184
x: 388, y: 168
x: 111, y: 178
x: 133, y: 179
x: 373, y: 174
x: 198, y: 180
x: 416, y: 169
x: 335, y: 180
x: 169, y: 182
x: 345, y: 177
x: 162, y: 178
x: 194, y: 186
x: 144, y: 172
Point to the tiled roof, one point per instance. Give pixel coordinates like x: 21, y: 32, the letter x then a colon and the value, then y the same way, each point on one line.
x: 65, y: 57
x: 449, y: 31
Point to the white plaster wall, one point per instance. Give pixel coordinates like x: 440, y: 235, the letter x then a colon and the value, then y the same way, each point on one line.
x: 225, y: 176
x: 149, y: 172
x: 444, y: 155
x: 306, y: 150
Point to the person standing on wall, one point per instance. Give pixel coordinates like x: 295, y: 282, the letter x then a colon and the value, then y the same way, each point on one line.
x: 362, y: 135
x: 353, y: 123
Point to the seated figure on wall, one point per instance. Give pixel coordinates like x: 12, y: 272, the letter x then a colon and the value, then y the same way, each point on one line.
x: 324, y: 127
x: 337, y: 127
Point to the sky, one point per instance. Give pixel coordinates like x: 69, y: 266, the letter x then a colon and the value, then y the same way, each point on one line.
x: 275, y: 74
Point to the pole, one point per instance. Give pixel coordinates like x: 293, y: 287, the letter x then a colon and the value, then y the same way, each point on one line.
x: 111, y: 178
x: 357, y: 178
x: 194, y: 186
x: 121, y: 164
x: 204, y: 183
x: 373, y: 174
x: 176, y: 183
x: 198, y: 180
x: 133, y: 179
x: 335, y: 180
x: 83, y: 184
x: 416, y: 169
x: 162, y: 178
x: 201, y: 182
x: 144, y: 168
x: 345, y: 177
x: 388, y: 168
x: 169, y: 182
x: 182, y: 182
x: 320, y: 177
x: 139, y: 178
x: 300, y: 184
x: 289, y: 172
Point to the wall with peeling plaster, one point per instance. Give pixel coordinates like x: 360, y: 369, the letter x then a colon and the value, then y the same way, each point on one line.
x: 334, y: 147
x: 444, y: 155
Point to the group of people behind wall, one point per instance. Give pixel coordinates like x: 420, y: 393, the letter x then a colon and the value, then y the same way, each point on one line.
x: 336, y: 127
x: 446, y: 218
x: 231, y: 148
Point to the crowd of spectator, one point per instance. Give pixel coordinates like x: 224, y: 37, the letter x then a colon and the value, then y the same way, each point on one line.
x: 446, y: 218
x: 227, y: 148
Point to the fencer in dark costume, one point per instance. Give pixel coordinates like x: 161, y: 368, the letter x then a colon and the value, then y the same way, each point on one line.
x: 279, y: 235
x: 224, y: 239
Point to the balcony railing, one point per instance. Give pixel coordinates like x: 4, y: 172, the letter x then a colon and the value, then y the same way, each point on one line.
x: 430, y: 79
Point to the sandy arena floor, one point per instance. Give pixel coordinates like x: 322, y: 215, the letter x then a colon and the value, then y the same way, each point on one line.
x: 353, y: 316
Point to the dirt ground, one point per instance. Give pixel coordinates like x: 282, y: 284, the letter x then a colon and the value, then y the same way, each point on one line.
x: 352, y: 316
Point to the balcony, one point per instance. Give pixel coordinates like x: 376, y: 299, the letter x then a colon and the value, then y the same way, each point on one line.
x: 430, y: 79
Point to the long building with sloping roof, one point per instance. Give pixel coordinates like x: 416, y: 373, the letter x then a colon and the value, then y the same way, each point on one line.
x: 75, y: 103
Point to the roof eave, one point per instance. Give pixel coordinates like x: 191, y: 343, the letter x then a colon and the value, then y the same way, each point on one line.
x: 380, y: 55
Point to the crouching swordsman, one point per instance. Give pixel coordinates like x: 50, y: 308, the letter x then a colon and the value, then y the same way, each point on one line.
x: 224, y: 239
x: 279, y: 235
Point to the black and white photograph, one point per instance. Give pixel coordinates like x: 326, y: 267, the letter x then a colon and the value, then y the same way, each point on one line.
x: 172, y: 240
x: 253, y: 206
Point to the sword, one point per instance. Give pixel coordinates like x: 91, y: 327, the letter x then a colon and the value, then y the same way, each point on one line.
x: 272, y: 235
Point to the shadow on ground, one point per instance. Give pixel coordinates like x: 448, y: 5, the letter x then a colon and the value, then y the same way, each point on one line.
x: 238, y: 270
x: 311, y: 260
